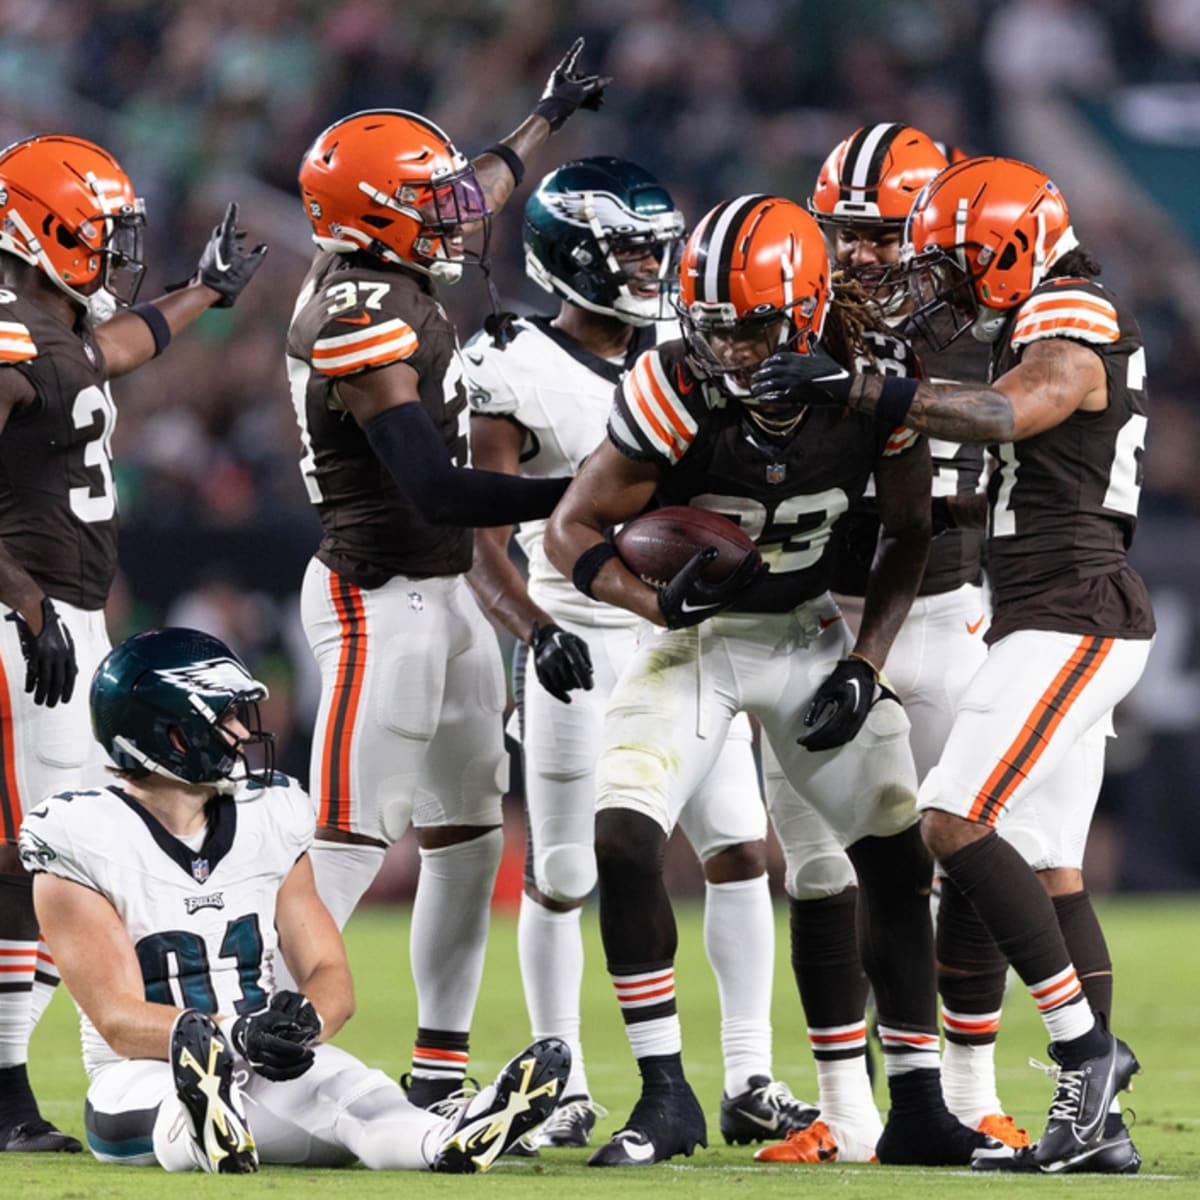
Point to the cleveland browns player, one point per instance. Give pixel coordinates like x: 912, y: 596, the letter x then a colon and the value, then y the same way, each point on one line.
x: 685, y: 429
x: 408, y: 730
x: 604, y: 236
x: 1065, y: 425
x: 70, y: 263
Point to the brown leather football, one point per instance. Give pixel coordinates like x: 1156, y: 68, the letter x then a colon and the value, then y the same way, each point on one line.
x: 659, y: 543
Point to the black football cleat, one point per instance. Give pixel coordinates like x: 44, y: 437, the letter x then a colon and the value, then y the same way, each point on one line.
x: 937, y: 1139
x: 666, y: 1121
x: 520, y: 1098
x: 202, y: 1064
x: 766, y: 1110
x: 38, y: 1136
x: 1113, y: 1154
x: 1082, y: 1097
x: 568, y: 1127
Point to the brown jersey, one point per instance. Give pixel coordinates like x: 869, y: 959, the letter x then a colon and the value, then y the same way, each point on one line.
x: 954, y: 558
x: 788, y: 495
x: 58, y: 505
x: 355, y: 314
x: 1063, y: 504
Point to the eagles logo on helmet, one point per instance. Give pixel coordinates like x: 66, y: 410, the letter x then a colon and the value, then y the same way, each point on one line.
x: 391, y: 183
x: 755, y: 272
x: 980, y: 237
x: 70, y: 211
x: 584, y: 219
x: 158, y: 701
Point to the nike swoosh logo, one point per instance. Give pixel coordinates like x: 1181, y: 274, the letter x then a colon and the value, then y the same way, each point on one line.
x: 772, y: 1125
x: 824, y: 623
x: 638, y: 1151
x: 688, y: 607
x: 477, y: 361
x: 364, y: 319
x: 973, y: 628
x: 857, y: 691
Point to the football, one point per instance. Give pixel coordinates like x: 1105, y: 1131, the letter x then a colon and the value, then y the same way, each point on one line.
x: 658, y: 544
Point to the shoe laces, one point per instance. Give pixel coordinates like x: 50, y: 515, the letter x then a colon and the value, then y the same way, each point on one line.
x: 1068, y: 1093
x: 566, y: 1116
x: 453, y: 1104
x: 778, y: 1095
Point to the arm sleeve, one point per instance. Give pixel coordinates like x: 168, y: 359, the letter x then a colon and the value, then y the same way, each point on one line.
x: 407, y: 442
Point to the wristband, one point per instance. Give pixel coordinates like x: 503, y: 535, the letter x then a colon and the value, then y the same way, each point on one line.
x: 862, y: 658
x: 160, y: 329
x: 512, y: 160
x: 588, y: 565
x: 896, y: 395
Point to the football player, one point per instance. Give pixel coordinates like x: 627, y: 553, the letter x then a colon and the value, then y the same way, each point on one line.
x: 408, y: 731
x: 604, y: 236
x: 1065, y: 423
x: 861, y: 200
x: 686, y: 429
x: 71, y: 230
x: 167, y: 897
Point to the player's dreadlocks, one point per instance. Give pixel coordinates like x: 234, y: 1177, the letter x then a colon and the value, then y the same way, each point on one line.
x: 853, y: 312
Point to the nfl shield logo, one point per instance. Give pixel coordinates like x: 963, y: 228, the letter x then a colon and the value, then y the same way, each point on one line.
x: 199, y: 869
x: 776, y: 472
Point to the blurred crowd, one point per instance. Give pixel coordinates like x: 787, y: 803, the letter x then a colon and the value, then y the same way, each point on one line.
x: 204, y: 102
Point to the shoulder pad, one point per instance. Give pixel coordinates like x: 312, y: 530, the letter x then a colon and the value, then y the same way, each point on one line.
x: 1067, y: 308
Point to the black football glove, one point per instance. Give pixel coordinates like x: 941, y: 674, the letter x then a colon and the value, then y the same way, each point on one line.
x: 688, y: 600
x: 941, y: 516
x: 278, y: 1041
x: 561, y: 659
x: 224, y: 264
x: 813, y: 378
x: 50, y: 668
x: 840, y: 706
x: 567, y: 90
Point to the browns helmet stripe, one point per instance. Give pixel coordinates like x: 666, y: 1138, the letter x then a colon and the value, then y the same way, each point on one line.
x: 714, y: 253
x: 865, y: 158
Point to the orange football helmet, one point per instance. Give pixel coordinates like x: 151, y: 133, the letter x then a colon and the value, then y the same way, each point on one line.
x: 391, y: 183
x: 873, y: 177
x: 67, y: 208
x: 980, y: 238
x: 751, y: 263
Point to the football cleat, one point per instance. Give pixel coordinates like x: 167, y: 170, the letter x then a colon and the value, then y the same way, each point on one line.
x: 664, y: 1122
x: 1004, y: 1129
x: 936, y: 1139
x: 202, y: 1064
x: 520, y: 1098
x: 38, y: 1136
x: 1113, y: 1154
x: 569, y: 1126
x: 767, y: 1109
x: 1082, y: 1098
x: 821, y: 1142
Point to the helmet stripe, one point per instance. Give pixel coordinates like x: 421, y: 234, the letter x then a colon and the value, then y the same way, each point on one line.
x: 714, y: 255
x: 864, y: 159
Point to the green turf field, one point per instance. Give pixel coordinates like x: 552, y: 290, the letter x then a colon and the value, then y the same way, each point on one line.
x: 1157, y: 1009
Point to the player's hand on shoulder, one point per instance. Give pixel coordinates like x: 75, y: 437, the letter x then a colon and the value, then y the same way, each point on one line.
x: 688, y: 599
x: 225, y: 264
x: 562, y: 660
x: 569, y: 89
x: 50, y: 667
x: 792, y: 378
x: 841, y: 704
x: 278, y: 1041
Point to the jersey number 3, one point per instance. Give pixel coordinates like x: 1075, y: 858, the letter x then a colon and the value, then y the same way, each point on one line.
x: 88, y: 504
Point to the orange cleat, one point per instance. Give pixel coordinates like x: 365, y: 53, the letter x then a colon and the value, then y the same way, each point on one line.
x: 819, y: 1143
x: 1004, y: 1129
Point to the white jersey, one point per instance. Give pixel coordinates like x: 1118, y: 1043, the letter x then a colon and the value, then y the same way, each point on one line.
x: 201, y: 921
x: 560, y: 395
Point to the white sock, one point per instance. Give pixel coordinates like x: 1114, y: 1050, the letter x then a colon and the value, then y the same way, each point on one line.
x: 450, y: 927
x: 969, y: 1081
x: 844, y: 1091
x: 45, y: 984
x: 16, y: 1024
x: 550, y: 949
x: 739, y: 938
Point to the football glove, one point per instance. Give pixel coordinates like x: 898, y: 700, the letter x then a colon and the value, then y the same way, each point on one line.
x: 50, y: 667
x: 812, y: 378
x: 224, y: 264
x: 278, y: 1041
x: 688, y: 600
x: 561, y: 659
x: 840, y: 706
x: 568, y: 90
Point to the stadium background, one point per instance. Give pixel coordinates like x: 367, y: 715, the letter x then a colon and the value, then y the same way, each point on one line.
x: 214, y: 100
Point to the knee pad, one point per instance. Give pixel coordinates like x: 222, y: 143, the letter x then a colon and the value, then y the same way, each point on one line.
x: 566, y: 874
x: 821, y: 876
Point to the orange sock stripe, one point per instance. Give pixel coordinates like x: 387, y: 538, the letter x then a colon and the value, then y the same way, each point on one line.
x: 347, y: 692
x: 1039, y: 727
x: 10, y: 798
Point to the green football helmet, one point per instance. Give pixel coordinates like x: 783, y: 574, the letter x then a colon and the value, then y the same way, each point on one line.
x: 586, y: 213
x: 158, y: 700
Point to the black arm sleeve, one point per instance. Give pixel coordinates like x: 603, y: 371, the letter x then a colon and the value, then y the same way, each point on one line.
x: 408, y: 443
